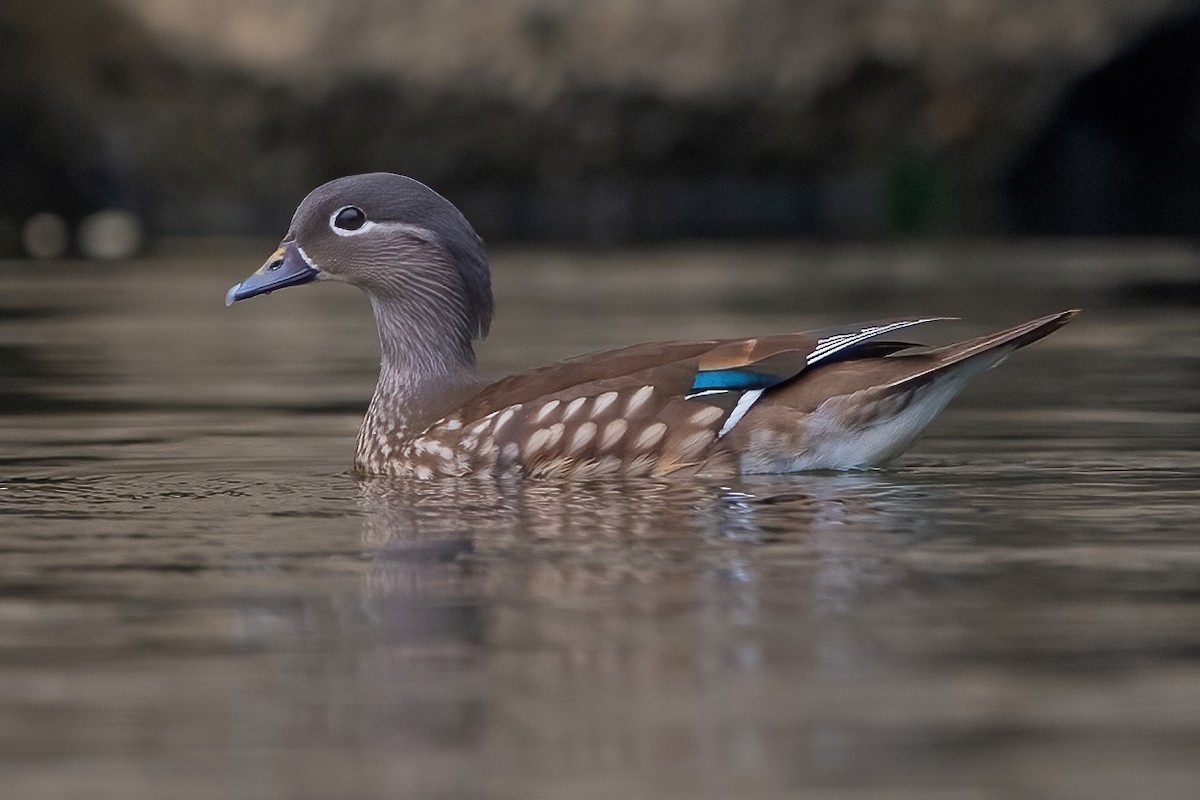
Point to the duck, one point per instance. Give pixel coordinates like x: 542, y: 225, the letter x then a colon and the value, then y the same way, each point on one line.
x: 846, y: 398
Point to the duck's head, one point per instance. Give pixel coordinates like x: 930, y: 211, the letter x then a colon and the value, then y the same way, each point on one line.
x: 399, y: 241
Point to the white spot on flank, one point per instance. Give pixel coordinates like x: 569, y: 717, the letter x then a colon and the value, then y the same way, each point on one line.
x: 583, y: 434
x: 691, y: 446
x: 651, y: 436
x: 573, y: 407
x: 638, y: 399
x: 546, y: 410
x: 423, y: 472
x: 613, y: 432
x: 707, y: 415
x: 603, y: 401
x: 510, y: 451
x: 504, y: 417
x: 537, y: 440
x: 453, y: 424
x: 556, y: 433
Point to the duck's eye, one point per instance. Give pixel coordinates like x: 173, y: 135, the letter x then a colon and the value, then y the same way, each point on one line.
x: 350, y: 218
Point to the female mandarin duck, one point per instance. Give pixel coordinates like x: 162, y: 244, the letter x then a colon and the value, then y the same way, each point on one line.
x: 834, y: 399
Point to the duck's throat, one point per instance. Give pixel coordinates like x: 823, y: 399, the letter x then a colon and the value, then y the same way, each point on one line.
x: 424, y: 371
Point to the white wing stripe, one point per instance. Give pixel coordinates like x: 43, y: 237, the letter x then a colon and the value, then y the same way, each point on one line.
x: 704, y: 392
x: 833, y: 344
x: 743, y: 405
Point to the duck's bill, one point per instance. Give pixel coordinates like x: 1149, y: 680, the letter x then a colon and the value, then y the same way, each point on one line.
x: 287, y: 266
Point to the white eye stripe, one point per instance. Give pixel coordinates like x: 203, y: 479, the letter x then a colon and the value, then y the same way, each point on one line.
x: 415, y: 231
x: 366, y: 226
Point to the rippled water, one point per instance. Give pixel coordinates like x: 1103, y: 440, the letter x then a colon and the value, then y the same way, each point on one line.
x: 198, y: 600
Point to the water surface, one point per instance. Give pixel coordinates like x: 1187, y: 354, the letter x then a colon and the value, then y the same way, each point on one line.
x: 198, y: 600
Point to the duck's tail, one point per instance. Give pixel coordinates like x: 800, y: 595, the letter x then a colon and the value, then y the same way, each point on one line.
x: 984, y: 352
x: 864, y: 412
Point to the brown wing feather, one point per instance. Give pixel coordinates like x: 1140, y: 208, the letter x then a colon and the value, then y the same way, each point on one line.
x: 743, y: 352
x: 595, y: 370
x: 671, y: 365
x: 668, y: 365
x: 906, y: 369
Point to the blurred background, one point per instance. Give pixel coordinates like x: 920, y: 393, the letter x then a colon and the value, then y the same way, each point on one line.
x: 198, y: 600
x: 602, y: 122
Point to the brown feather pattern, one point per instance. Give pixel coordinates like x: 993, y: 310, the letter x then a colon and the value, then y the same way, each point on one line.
x: 624, y: 412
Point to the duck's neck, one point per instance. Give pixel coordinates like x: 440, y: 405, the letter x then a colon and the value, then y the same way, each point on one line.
x: 426, y: 368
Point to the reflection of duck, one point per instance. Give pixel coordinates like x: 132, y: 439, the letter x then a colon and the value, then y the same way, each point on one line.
x: 439, y: 518
x: 442, y: 550
x: 471, y: 518
x: 836, y: 399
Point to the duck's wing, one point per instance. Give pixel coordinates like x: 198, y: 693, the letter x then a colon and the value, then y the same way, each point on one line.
x: 713, y: 371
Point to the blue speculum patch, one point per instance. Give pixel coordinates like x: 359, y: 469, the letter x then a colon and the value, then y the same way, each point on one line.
x: 732, y: 379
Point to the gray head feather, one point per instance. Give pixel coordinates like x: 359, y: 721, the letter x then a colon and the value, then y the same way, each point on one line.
x: 385, y: 196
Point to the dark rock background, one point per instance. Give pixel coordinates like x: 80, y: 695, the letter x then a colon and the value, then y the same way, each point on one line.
x: 612, y: 121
